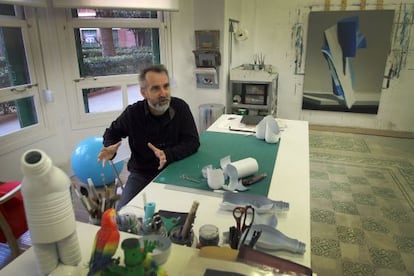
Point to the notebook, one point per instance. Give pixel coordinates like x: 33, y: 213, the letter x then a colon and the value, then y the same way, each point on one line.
x: 251, y: 119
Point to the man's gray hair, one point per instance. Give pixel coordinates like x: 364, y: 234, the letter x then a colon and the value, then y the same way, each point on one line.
x: 157, y: 68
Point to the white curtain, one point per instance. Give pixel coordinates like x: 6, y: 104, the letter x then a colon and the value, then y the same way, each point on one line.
x: 166, y: 5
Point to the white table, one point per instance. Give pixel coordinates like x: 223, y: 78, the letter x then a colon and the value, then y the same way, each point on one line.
x: 290, y: 183
x: 26, y: 263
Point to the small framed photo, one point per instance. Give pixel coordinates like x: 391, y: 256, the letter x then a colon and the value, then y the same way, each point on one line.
x: 207, y: 58
x: 207, y: 39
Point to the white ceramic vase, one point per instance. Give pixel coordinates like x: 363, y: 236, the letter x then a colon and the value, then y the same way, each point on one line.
x: 49, y: 212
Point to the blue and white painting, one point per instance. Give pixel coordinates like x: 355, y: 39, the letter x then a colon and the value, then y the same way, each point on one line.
x: 346, y: 56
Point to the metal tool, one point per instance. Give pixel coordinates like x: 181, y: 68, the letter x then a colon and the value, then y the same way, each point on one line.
x: 253, y: 179
x: 88, y: 199
x: 254, y: 239
x: 116, y: 175
x: 233, y: 237
x: 241, y: 215
x: 191, y: 179
x: 94, y: 194
x: 242, y: 130
x: 170, y: 223
x: 244, y: 217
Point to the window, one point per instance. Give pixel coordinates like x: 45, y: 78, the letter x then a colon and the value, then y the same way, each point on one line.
x: 20, y: 107
x: 111, y: 47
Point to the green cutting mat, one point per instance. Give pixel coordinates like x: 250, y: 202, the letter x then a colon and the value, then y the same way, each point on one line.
x: 215, y: 146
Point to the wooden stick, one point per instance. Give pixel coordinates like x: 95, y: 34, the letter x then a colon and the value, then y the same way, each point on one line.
x: 189, y: 220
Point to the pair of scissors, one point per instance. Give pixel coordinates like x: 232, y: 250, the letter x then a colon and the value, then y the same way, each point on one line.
x: 244, y: 217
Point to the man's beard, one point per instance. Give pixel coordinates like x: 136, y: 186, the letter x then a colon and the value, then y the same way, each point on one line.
x: 159, y: 109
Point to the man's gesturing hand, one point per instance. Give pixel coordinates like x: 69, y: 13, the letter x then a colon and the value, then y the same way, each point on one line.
x: 107, y: 153
x: 159, y: 154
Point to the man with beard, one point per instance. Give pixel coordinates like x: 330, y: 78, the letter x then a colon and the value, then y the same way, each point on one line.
x: 160, y: 130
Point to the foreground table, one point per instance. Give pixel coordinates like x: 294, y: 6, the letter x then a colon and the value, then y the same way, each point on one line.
x: 290, y: 183
x: 26, y: 263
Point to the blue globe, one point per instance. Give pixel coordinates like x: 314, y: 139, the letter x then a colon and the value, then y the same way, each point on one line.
x: 85, y: 165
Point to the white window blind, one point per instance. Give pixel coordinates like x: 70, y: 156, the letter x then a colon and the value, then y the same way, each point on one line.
x: 160, y: 5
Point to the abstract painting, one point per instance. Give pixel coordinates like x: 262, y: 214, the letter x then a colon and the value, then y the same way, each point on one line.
x: 346, y: 55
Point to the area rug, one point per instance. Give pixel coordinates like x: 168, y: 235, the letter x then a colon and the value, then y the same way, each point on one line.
x: 362, y: 208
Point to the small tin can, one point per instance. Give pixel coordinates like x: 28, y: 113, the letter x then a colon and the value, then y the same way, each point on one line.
x: 209, y: 235
x: 242, y: 111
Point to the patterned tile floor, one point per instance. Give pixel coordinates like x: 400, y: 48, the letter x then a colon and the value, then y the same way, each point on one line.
x: 362, y: 204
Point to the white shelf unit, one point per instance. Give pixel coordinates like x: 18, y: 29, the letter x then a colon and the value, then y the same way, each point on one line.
x: 254, y: 90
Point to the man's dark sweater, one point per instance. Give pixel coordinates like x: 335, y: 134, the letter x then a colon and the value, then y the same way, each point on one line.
x: 174, y: 132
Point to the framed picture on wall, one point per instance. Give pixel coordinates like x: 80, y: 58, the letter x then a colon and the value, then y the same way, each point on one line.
x: 346, y: 55
x: 207, y: 39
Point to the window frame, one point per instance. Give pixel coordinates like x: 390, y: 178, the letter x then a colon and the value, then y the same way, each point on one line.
x: 31, y: 39
x: 78, y: 117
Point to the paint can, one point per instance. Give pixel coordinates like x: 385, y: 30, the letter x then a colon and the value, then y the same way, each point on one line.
x: 208, y: 235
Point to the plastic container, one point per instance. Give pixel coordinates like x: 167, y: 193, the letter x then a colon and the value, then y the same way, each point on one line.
x: 208, y: 235
x: 208, y: 114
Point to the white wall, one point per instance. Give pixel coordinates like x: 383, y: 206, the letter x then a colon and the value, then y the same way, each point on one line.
x: 196, y: 15
x: 269, y: 23
x: 273, y: 37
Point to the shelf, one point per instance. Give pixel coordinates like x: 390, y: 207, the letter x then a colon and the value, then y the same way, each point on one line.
x: 250, y: 106
x: 248, y: 87
x: 239, y: 74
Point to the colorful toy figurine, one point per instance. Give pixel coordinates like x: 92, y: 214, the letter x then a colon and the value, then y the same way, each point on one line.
x: 106, y: 243
x: 137, y: 260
